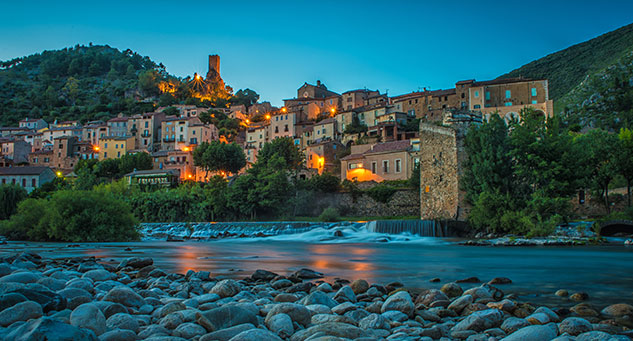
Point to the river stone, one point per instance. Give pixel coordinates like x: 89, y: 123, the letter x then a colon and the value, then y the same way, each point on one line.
x: 22, y: 311
x: 256, y: 335
x: 281, y: 283
x: 300, y: 287
x: 226, y: 288
x: 343, y: 308
x: 228, y: 316
x: 452, y: 289
x: 123, y: 321
x: 617, y: 310
x: 460, y: 303
x: 263, y: 275
x: 394, y: 315
x: 533, y: 333
x: 20, y: 277
x: 227, y: 333
x: 89, y: 316
x: 319, y: 309
x: 135, y: 262
x: 505, y: 305
x: 99, y: 275
x: 318, y: 297
x: 125, y: 296
x: 584, y: 309
x: 118, y: 335
x: 400, y: 301
x: 549, y: 312
x: 345, y: 294
x: 284, y: 297
x: 373, y: 321
x: 307, y: 274
x: 281, y: 324
x: 357, y: 314
x: 600, y: 336
x: 574, y: 326
x: 480, y: 320
x: 52, y: 283
x: 325, y: 287
x: 359, y: 286
x: 561, y: 293
x: 11, y: 299
x: 298, y: 313
x: 46, y: 328
x: 342, y: 330
x: 431, y: 296
x: 579, y: 296
x: 153, y: 329
x: 172, y: 321
x: 114, y: 308
x: 500, y: 280
x: 538, y: 318
x: 478, y: 292
x: 169, y: 308
x: 189, y: 330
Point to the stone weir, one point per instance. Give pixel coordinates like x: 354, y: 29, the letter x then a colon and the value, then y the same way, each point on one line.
x: 213, y: 230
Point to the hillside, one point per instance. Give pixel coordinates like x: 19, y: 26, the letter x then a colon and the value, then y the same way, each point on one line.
x: 566, y: 69
x: 82, y: 82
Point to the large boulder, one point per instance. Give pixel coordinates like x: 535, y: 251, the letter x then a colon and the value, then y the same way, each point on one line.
x: 125, y: 296
x: 297, y: 312
x: 400, y: 301
x: 226, y: 333
x: 99, y: 275
x: 123, y: 321
x: 281, y: 324
x: 89, y: 316
x: 256, y: 335
x: 22, y: 311
x: 480, y: 321
x: 50, y: 329
x: 135, y: 262
x: 307, y: 274
x: 345, y: 294
x: 618, y: 310
x: 20, y: 277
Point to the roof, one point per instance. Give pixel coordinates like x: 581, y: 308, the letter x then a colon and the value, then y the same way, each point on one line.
x: 359, y: 90
x: 26, y: 170
x: 443, y: 92
x: 506, y: 81
x: 353, y: 157
x: 465, y: 81
x: 160, y: 153
x: 394, y: 146
x: 118, y: 138
x: 118, y: 119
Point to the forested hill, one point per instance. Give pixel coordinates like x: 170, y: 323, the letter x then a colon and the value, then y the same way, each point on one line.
x: 566, y: 69
x: 83, y: 82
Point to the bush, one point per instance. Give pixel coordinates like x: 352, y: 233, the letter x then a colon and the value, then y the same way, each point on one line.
x: 352, y: 189
x: 381, y: 193
x: 10, y: 196
x: 326, y: 183
x: 546, y: 227
x: 329, y: 214
x: 74, y: 216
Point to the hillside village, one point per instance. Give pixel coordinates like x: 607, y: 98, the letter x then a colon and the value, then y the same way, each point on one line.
x: 359, y: 135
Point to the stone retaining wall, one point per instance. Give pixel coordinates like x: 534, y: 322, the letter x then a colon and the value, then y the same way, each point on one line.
x: 402, y: 203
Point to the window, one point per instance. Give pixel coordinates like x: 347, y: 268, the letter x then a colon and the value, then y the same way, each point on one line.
x: 508, y: 94
x: 477, y: 106
x: 534, y: 101
x: 23, y: 182
x: 385, y: 166
x: 534, y: 92
x: 398, y: 166
x: 374, y: 166
x: 105, y: 154
x: 106, y: 144
x: 118, y: 154
x: 286, y: 128
x: 146, y: 124
x: 276, y: 130
x: 4, y: 181
x: 508, y: 104
x: 476, y: 93
x: 181, y: 129
x: 487, y: 95
x: 463, y: 95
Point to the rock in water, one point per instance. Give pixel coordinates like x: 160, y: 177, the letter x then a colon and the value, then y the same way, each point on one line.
x: 452, y: 289
x: 617, y: 310
x: 90, y: 317
x: 281, y: 324
x: 22, y: 311
x: 359, y: 286
x: 400, y: 301
x: 263, y: 275
x: 307, y: 274
x: 135, y: 262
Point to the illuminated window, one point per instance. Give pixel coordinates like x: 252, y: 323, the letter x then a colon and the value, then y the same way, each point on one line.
x: 533, y: 91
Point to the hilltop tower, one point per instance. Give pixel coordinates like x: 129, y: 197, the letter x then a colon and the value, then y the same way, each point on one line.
x: 214, y: 66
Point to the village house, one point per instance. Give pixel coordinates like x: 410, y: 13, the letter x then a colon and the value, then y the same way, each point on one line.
x: 93, y: 131
x: 112, y: 147
x: 321, y: 156
x: 325, y: 130
x: 28, y: 177
x: 381, y: 161
x: 117, y: 126
x: 33, y: 123
x: 313, y: 100
x: 283, y: 125
x: 14, y: 151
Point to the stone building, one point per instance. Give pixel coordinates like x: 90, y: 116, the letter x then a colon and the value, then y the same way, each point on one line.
x: 381, y: 161
x: 442, y: 157
x: 28, y: 177
x: 321, y: 156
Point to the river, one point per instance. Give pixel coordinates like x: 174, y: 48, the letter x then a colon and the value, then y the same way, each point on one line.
x: 604, y: 272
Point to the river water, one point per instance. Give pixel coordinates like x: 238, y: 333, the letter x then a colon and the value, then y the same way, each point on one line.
x: 604, y: 272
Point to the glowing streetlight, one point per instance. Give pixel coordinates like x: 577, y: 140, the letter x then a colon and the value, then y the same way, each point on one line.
x: 96, y: 148
x: 59, y: 174
x: 186, y: 149
x: 268, y: 116
x: 333, y: 111
x: 198, y: 77
x: 248, y: 121
x: 284, y: 109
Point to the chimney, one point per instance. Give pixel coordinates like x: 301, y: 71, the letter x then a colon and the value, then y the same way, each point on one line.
x: 318, y: 82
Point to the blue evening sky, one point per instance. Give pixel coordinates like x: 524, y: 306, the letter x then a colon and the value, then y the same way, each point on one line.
x: 273, y: 47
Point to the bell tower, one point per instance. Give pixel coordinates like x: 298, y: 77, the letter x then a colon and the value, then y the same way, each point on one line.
x: 214, y: 66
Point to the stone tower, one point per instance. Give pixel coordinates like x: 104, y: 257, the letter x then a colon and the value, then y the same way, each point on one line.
x: 214, y: 66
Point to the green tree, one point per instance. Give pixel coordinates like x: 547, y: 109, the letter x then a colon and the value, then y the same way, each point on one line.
x: 10, y: 197
x: 218, y: 156
x: 602, y: 148
x: 247, y: 97
x: 284, y: 147
x: 139, y: 161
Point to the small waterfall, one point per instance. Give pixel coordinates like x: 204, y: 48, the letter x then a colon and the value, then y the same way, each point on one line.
x: 422, y: 228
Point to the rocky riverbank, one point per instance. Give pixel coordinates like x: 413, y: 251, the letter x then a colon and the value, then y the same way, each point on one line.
x: 84, y: 299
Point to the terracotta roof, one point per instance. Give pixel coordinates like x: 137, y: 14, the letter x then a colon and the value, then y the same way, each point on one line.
x: 505, y: 81
x: 353, y: 157
x: 394, y: 146
x: 326, y: 121
x: 466, y: 81
x: 443, y: 92
x: 27, y: 170
x: 118, y: 119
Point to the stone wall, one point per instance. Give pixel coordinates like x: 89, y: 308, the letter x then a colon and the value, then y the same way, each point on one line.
x: 402, y: 203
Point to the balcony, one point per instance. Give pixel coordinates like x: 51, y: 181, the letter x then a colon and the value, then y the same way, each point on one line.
x: 169, y: 139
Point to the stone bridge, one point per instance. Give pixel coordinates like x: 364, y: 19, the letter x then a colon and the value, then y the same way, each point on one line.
x: 613, y: 227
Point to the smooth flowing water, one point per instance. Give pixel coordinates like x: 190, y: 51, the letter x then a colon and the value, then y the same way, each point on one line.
x: 605, y: 272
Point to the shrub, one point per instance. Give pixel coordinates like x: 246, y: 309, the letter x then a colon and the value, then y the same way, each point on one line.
x: 329, y: 214
x: 10, y: 196
x: 75, y: 216
x: 515, y: 222
x: 326, y: 183
x: 381, y: 193
x: 352, y: 189
x: 545, y: 227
